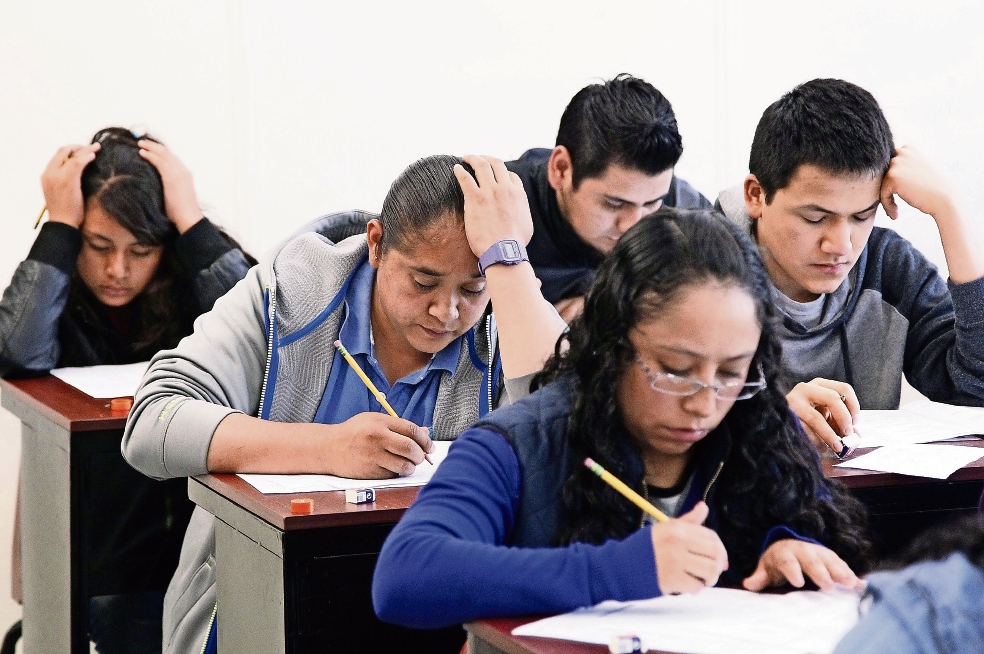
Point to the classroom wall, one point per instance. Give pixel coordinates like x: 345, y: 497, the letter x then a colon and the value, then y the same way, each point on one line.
x: 285, y: 111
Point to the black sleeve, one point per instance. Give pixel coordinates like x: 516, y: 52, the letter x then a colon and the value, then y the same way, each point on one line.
x: 201, y: 246
x: 57, y: 245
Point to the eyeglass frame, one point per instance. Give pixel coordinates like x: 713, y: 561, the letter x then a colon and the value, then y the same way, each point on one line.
x: 698, y: 385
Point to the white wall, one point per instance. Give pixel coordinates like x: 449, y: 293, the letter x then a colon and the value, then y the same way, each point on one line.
x: 284, y: 111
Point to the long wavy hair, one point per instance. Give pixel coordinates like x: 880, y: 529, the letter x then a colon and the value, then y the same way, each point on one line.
x: 130, y: 190
x: 772, y: 474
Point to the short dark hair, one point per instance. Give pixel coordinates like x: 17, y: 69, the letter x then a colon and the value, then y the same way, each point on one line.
x: 425, y: 193
x: 624, y: 121
x: 828, y: 123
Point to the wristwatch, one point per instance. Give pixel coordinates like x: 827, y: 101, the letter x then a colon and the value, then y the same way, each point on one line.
x: 507, y: 251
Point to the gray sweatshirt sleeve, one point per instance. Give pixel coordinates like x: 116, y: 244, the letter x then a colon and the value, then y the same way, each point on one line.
x: 189, y: 390
x: 944, y: 350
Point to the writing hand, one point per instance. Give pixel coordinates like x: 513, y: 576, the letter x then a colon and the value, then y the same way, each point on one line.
x: 828, y: 410
x: 377, y: 446
x: 689, y: 556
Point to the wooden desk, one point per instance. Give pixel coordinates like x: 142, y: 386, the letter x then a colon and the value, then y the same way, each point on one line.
x: 60, y: 428
x: 901, y: 507
x: 73, y: 521
x: 290, y: 584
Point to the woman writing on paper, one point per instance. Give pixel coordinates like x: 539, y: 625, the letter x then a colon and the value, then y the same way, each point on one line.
x: 669, y: 384
x: 260, y: 388
x: 122, y: 268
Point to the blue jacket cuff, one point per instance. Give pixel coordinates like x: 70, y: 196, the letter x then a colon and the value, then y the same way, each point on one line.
x: 782, y: 532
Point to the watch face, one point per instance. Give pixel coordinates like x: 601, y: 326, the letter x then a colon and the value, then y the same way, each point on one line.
x: 509, y: 250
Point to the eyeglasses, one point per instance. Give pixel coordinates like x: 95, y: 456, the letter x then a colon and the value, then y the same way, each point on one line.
x: 664, y: 382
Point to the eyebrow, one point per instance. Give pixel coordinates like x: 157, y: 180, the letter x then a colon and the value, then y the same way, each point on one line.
x: 698, y: 355
x: 434, y: 273
x: 817, y: 207
x: 615, y: 198
x: 96, y: 235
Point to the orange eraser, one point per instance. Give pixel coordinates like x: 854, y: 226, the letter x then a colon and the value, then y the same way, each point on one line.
x: 303, y: 506
x: 121, y: 404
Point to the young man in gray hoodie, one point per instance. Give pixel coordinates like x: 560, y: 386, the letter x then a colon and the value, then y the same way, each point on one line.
x: 860, y: 305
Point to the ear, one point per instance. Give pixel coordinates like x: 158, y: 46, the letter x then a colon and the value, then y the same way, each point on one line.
x: 560, y: 171
x: 754, y: 197
x: 374, y: 238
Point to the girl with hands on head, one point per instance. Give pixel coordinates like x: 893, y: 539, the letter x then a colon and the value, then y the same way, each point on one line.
x: 260, y: 388
x: 120, y: 271
x: 669, y: 383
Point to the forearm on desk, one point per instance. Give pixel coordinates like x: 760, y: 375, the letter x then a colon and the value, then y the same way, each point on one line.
x: 447, y: 560
x: 243, y: 443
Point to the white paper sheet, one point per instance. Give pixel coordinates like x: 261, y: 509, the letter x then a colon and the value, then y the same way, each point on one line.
x: 104, y: 381
x: 936, y: 461
x: 970, y: 419
x: 272, y: 484
x: 714, y: 621
x: 901, y: 427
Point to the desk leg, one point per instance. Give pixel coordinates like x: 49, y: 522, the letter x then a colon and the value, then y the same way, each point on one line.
x: 477, y: 645
x: 46, y: 535
x: 250, y: 594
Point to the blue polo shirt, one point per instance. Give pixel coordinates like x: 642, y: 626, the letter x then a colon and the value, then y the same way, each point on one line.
x: 412, y: 397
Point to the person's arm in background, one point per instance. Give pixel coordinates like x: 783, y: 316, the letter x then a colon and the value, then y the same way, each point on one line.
x: 213, y: 263
x: 36, y: 296
x: 496, y: 208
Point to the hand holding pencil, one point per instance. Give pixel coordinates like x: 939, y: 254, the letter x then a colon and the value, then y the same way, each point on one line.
x: 379, y: 395
x: 689, y: 556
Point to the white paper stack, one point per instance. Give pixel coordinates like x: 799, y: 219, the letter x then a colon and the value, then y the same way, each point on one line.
x: 714, y: 621
x: 272, y: 484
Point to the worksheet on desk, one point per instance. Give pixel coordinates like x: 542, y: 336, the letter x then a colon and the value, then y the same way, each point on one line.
x: 918, y: 422
x: 273, y: 484
x: 104, y: 382
x: 714, y: 621
x: 918, y: 460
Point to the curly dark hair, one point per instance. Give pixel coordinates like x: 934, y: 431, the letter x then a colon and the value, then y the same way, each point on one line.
x: 129, y: 189
x: 772, y: 475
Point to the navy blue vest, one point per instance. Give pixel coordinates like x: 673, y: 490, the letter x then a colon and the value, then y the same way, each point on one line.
x: 536, y: 426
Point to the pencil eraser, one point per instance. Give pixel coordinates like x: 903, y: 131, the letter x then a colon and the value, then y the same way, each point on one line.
x: 625, y: 644
x: 121, y: 404
x: 852, y: 441
x: 304, y: 506
x: 360, y: 495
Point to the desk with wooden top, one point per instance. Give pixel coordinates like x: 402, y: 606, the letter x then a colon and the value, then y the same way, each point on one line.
x: 91, y: 524
x: 292, y: 584
x: 295, y: 584
x: 62, y: 429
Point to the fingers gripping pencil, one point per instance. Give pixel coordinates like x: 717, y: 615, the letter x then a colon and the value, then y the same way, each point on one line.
x: 379, y: 395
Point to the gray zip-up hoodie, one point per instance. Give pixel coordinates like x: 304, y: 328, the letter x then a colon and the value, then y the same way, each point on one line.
x: 893, y: 315
x: 227, y: 366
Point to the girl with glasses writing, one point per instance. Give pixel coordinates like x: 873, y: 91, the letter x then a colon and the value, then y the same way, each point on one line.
x: 668, y: 383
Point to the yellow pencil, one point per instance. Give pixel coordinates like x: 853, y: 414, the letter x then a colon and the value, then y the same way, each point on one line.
x: 633, y: 496
x: 40, y: 216
x: 379, y: 395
